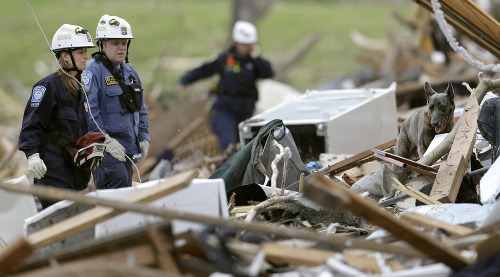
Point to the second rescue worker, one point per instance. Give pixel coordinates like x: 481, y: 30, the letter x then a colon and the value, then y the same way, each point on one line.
x: 236, y: 92
x: 116, y: 102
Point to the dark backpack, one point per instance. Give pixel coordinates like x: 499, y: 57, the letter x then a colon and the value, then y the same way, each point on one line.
x: 488, y: 122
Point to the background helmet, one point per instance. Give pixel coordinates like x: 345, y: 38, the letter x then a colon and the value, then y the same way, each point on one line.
x: 111, y: 26
x: 69, y: 37
x: 244, y: 32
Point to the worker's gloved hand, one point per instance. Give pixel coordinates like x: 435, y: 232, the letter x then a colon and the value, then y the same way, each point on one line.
x: 36, y: 166
x: 114, y: 148
x: 255, y: 52
x: 144, y: 149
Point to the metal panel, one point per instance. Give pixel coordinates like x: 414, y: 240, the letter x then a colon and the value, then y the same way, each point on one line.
x: 347, y: 120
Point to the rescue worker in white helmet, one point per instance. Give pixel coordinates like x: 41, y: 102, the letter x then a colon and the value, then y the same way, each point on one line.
x: 116, y: 101
x: 55, y: 115
x: 236, y: 92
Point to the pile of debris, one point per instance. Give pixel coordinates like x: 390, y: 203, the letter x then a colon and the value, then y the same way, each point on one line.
x: 262, y: 211
x: 208, y: 226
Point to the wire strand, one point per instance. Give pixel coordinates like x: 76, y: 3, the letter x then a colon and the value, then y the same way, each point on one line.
x: 84, y: 89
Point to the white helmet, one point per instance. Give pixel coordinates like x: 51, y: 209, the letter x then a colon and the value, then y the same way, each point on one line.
x: 244, y: 32
x: 111, y: 26
x: 70, y: 37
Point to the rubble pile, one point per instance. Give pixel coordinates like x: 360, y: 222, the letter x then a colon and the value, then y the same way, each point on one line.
x: 272, y: 206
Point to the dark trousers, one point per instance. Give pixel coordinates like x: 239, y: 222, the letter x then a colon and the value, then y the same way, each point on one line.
x: 51, y: 182
x: 224, y: 125
x: 112, y: 173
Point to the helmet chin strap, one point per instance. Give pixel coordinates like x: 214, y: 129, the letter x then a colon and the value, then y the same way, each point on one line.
x: 74, y: 68
x: 128, y: 47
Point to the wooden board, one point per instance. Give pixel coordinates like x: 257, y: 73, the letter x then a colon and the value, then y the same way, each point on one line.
x: 477, y: 18
x: 415, y: 194
x: 116, y: 245
x: 365, y: 154
x: 98, y: 214
x: 432, y: 223
x: 451, y: 172
x: 296, y: 255
x: 471, y: 21
x: 489, y: 247
x: 328, y: 192
x: 13, y: 254
x: 362, y: 260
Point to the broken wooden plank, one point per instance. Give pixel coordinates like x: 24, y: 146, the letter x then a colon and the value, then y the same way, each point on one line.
x: 432, y: 224
x: 490, y: 246
x: 362, y: 260
x: 482, y: 21
x: 97, y: 268
x: 344, y: 164
x: 295, y: 255
x: 405, y: 163
x: 451, y: 172
x: 415, y: 193
x: 98, y: 214
x: 165, y: 251
x: 328, y: 192
x: 491, y: 228
x: 470, y: 20
x: 13, y: 254
x: 186, y: 132
x: 114, y: 248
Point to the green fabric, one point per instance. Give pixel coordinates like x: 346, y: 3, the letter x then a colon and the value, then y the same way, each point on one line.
x: 233, y: 170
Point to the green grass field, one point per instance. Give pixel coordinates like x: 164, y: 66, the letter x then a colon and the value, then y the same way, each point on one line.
x: 197, y: 29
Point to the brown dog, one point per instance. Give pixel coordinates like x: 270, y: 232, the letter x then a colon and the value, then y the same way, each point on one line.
x: 418, y: 130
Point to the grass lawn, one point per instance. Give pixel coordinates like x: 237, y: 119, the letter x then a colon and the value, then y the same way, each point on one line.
x: 196, y: 29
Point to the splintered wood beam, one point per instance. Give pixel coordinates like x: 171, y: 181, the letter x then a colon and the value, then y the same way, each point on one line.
x: 295, y: 255
x: 480, y: 20
x: 415, y: 193
x: 14, y: 254
x: 115, y: 248
x: 471, y: 21
x: 344, y: 164
x: 164, y: 249
x: 99, y: 268
x: 489, y: 247
x: 451, y: 172
x: 432, y: 224
x: 329, y: 192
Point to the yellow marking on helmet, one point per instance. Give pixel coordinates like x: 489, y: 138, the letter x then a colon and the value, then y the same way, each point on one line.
x: 114, y: 22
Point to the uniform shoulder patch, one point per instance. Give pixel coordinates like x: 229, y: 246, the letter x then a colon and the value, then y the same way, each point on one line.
x: 37, y: 95
x: 86, y: 78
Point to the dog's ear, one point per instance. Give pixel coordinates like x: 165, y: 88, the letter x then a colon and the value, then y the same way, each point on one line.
x: 428, y: 91
x: 449, y: 92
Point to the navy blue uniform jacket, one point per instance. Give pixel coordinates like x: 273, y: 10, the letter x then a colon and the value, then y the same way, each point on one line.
x: 52, y: 108
x: 236, y: 90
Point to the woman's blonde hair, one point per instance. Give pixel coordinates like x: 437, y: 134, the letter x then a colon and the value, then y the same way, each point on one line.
x: 69, y: 82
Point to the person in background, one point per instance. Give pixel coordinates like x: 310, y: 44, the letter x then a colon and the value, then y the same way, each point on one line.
x: 56, y: 114
x: 236, y: 92
x: 116, y: 101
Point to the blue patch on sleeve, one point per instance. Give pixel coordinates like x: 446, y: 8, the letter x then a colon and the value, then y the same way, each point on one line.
x: 37, y: 94
x: 86, y: 78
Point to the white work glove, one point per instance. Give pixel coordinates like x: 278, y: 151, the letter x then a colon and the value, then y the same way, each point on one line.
x: 36, y: 166
x: 114, y: 148
x: 144, y: 149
